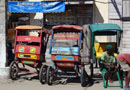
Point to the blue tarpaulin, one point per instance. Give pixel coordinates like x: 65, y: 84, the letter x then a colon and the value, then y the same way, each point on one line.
x: 36, y: 7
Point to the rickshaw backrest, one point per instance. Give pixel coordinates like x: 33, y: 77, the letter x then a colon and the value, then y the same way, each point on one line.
x: 101, y: 47
x: 70, y: 36
x: 67, y: 32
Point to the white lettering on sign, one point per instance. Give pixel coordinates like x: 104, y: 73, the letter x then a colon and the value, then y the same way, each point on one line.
x: 64, y: 35
x: 27, y: 39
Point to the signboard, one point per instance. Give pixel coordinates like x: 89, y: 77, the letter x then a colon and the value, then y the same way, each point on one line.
x: 35, y: 7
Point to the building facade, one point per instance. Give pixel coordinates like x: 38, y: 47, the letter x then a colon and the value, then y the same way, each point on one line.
x: 77, y: 12
x: 119, y: 13
x: 100, y: 13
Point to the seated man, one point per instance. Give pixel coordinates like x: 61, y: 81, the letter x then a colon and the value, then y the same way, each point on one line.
x: 108, y: 62
x: 124, y: 61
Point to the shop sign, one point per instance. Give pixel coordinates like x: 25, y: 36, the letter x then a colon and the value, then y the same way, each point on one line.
x: 35, y: 7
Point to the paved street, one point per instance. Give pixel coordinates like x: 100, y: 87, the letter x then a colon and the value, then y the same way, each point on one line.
x: 35, y: 85
x: 31, y: 82
x: 25, y: 83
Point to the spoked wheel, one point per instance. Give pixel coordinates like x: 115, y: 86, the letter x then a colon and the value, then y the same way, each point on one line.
x: 50, y: 75
x: 13, y: 72
x: 42, y: 74
x: 83, y: 77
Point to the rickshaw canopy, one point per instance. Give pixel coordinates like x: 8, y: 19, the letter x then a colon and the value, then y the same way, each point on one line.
x: 104, y: 27
x: 28, y: 27
x: 67, y: 27
x: 32, y: 27
x: 108, y: 29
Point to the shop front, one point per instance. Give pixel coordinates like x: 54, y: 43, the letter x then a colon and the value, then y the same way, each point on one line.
x: 76, y: 13
x: 20, y: 12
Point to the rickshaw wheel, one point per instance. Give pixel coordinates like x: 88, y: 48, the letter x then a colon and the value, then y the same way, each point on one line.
x: 82, y: 77
x: 13, y: 72
x: 42, y: 74
x: 50, y: 75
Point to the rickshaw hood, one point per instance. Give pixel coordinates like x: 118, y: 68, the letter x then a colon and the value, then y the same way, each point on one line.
x: 104, y: 27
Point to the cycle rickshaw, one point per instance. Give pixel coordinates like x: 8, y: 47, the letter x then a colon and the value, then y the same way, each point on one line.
x: 96, y: 48
x: 65, y: 49
x: 29, y: 48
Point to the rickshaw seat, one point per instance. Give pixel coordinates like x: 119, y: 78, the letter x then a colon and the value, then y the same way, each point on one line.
x: 101, y: 47
x: 99, y: 55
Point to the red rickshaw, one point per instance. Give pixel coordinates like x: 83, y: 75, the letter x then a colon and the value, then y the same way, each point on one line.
x: 29, y: 48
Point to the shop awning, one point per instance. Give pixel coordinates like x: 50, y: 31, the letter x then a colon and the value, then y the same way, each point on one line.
x: 36, y: 7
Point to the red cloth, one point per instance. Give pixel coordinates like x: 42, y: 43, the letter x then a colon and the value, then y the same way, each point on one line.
x: 124, y: 57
